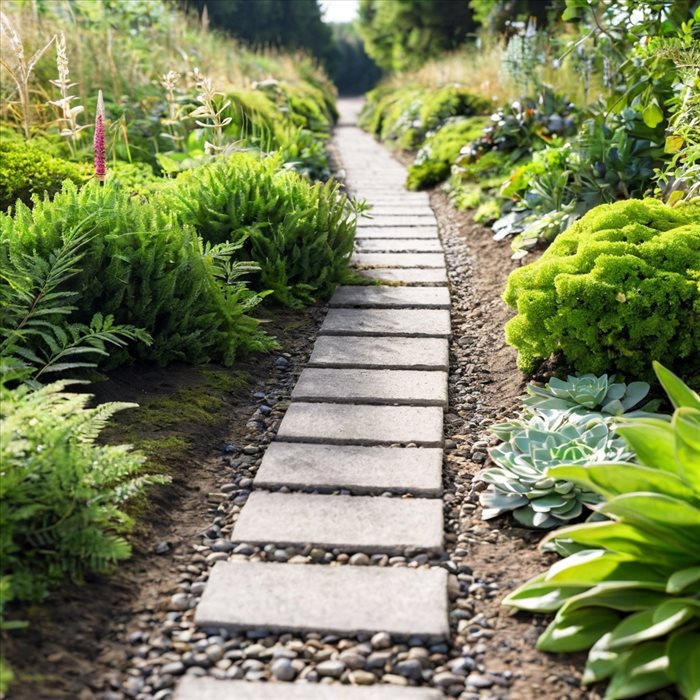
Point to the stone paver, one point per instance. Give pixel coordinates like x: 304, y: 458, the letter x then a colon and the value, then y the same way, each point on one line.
x: 423, y: 232
x: 341, y: 351
x: 364, y: 523
x: 400, y: 210
x: 345, y: 600
x: 392, y: 297
x: 398, y: 260
x: 349, y: 424
x: 410, y: 323
x: 398, y: 245
x: 404, y: 220
x: 407, y: 276
x: 196, y: 688
x: 372, y: 386
x: 358, y: 469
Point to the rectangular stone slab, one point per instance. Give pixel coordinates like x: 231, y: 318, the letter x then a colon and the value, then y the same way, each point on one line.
x: 372, y: 386
x: 398, y: 260
x: 410, y: 323
x: 345, y: 600
x: 398, y: 245
x: 372, y: 352
x: 347, y: 424
x: 350, y: 523
x: 400, y: 210
x: 407, y: 276
x: 356, y: 468
x: 207, y: 688
x: 404, y: 220
x: 392, y: 297
x: 422, y: 232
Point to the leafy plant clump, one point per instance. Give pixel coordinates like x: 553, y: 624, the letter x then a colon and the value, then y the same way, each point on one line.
x: 621, y: 286
x: 299, y: 234
x: 435, y: 157
x: 629, y: 588
x: 27, y: 170
x: 137, y: 265
x: 564, y: 422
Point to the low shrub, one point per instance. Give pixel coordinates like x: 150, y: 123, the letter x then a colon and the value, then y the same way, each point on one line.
x: 628, y: 590
x: 26, y: 169
x: 141, y: 266
x: 300, y: 234
x: 619, y: 288
x: 435, y: 157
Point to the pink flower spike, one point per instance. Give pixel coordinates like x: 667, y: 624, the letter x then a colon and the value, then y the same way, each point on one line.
x: 99, y: 142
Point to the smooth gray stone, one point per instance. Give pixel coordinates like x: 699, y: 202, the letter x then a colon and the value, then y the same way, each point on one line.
x: 405, y: 232
x: 358, y: 469
x: 372, y: 386
x: 346, y: 600
x: 404, y: 220
x: 407, y: 276
x: 341, y: 351
x: 348, y: 424
x: 398, y: 245
x: 364, y: 523
x: 409, y: 323
x: 207, y: 688
x: 398, y: 260
x: 392, y: 297
x: 401, y: 210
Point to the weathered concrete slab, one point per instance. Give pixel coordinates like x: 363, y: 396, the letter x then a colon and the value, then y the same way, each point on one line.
x: 345, y: 600
x: 208, y: 688
x: 358, y: 469
x: 410, y: 323
x: 392, y: 297
x: 422, y: 232
x: 404, y: 220
x: 350, y: 523
x: 398, y: 260
x: 398, y: 245
x: 347, y: 424
x: 341, y: 351
x: 407, y: 276
x: 401, y: 210
x: 398, y: 387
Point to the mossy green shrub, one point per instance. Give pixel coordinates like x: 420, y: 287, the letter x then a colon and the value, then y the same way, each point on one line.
x: 300, y: 234
x: 142, y: 265
x: 136, y: 178
x: 618, y: 289
x: 26, y: 169
x: 403, y: 116
x: 439, y: 150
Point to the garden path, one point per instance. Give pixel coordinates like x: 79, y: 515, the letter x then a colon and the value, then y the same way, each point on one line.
x: 366, y: 420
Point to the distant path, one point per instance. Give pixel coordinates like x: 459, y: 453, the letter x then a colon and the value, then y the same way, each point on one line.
x: 366, y: 419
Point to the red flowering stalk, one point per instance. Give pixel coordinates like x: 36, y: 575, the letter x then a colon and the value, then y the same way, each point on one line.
x: 99, y: 142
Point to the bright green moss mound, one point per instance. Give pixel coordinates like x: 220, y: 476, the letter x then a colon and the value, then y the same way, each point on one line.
x: 438, y: 152
x: 618, y: 289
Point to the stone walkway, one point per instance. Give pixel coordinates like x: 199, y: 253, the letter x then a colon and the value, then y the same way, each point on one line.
x: 366, y: 419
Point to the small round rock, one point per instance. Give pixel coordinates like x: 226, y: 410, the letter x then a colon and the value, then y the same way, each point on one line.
x: 283, y: 670
x: 381, y: 640
x: 360, y: 559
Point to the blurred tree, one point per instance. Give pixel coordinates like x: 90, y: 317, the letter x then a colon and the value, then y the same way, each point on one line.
x: 350, y: 68
x: 289, y: 24
x: 494, y: 15
x: 402, y: 34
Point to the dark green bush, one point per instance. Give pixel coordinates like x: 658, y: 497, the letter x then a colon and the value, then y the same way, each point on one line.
x: 142, y: 266
x: 618, y: 289
x: 26, y: 169
x: 300, y: 234
x: 435, y: 157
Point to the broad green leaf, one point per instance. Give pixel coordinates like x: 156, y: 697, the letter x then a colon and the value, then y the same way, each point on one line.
x: 680, y: 580
x: 653, y: 114
x: 673, y: 143
x: 578, y: 630
x: 622, y: 597
x: 613, y: 479
x: 653, y: 623
x: 537, y: 596
x: 601, y: 661
x: 684, y: 662
x: 679, y: 393
x: 686, y: 421
x: 653, y: 442
x: 644, y: 670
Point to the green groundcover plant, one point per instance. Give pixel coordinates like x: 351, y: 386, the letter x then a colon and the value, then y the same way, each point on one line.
x: 629, y: 588
x: 299, y: 234
x: 618, y: 287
